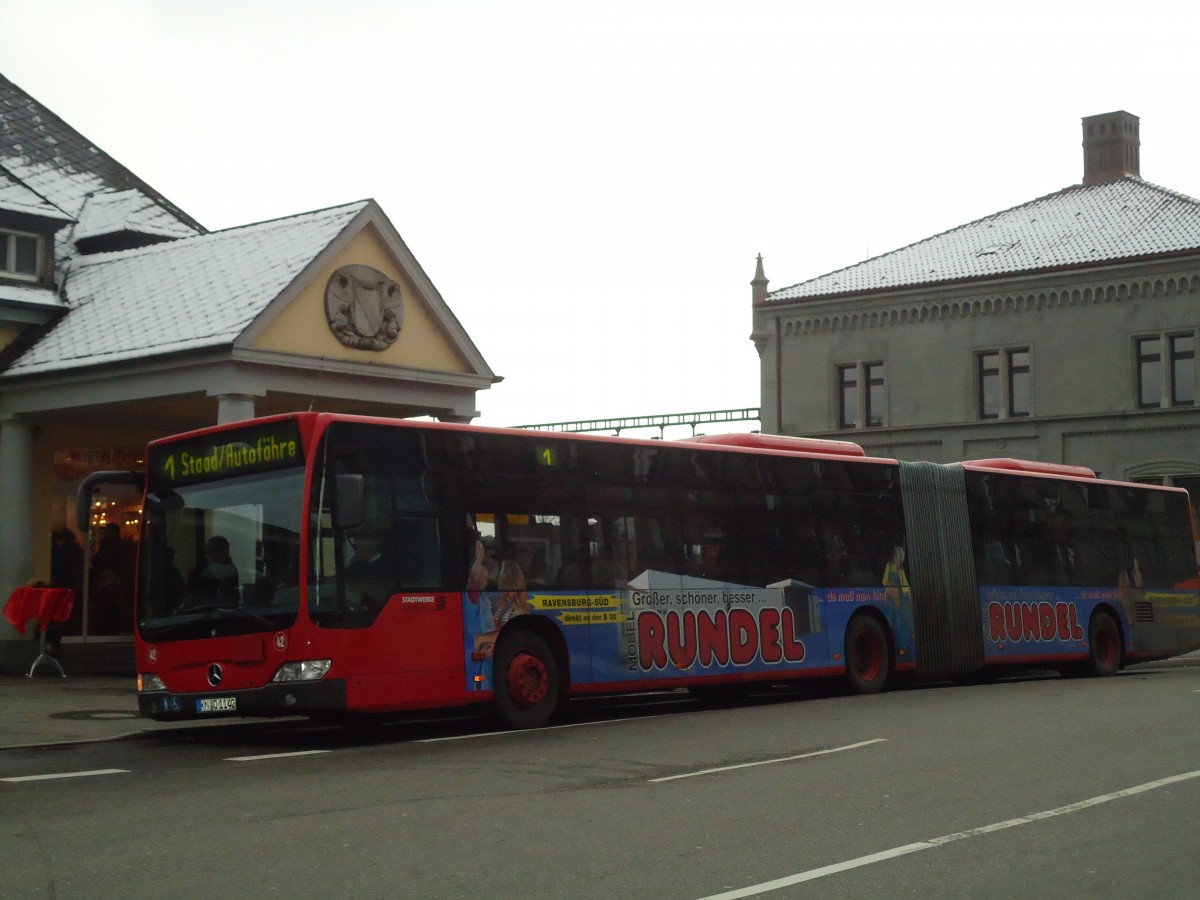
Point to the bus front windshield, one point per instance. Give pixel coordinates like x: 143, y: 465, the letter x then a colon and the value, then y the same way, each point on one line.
x: 221, y: 558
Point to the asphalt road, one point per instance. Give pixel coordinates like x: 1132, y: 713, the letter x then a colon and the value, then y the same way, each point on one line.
x: 1039, y: 787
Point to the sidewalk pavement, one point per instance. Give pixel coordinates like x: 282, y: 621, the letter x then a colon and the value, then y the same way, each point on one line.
x: 46, y: 709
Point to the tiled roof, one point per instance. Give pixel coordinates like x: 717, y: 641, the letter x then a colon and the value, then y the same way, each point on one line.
x: 186, y: 294
x: 29, y: 295
x: 1078, y: 225
x: 64, y: 168
x: 15, y: 197
x: 110, y: 212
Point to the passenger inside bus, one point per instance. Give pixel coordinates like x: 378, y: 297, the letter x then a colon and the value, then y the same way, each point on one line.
x: 216, y: 578
x: 533, y: 564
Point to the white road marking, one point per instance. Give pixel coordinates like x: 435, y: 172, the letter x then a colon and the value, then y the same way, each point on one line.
x: 273, y: 755
x: 933, y: 843
x: 813, y: 874
x: 768, y: 762
x: 67, y: 775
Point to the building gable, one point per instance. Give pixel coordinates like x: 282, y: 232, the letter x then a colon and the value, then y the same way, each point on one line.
x: 301, y: 325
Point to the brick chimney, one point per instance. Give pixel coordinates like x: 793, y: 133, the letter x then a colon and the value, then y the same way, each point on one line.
x: 1110, y: 147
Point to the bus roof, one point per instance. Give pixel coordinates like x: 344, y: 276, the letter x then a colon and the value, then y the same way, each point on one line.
x: 786, y: 443
x: 1031, y: 467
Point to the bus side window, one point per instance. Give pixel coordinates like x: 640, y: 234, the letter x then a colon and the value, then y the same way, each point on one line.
x: 709, y: 551
x: 532, y: 543
x: 417, y: 551
x: 995, y: 563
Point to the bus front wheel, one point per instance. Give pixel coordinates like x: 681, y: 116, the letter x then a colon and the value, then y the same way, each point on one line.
x: 868, y: 658
x: 1104, y: 645
x: 526, y: 682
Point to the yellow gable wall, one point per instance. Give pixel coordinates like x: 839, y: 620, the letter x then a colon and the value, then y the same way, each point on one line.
x: 302, y: 328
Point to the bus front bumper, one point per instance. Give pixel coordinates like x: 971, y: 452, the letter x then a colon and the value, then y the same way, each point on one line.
x: 289, y: 699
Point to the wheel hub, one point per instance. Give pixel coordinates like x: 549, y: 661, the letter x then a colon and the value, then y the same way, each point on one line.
x: 868, y: 657
x: 528, y: 680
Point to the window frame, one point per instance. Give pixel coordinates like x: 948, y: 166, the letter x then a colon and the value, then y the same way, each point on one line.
x: 1174, y: 358
x: 1156, y: 362
x: 1014, y: 370
x: 1002, y: 377
x: 1144, y: 375
x: 983, y: 377
x: 861, y: 394
x: 8, y: 258
x: 872, y: 416
x: 847, y: 395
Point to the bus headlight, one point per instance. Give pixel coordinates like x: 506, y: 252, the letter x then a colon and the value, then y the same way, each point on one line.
x: 149, y: 683
x: 306, y: 670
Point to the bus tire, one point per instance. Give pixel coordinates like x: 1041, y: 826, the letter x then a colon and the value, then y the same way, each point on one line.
x: 868, y: 656
x: 1105, y: 647
x: 526, y: 679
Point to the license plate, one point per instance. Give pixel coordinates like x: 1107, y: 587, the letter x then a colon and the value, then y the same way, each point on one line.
x: 216, y: 704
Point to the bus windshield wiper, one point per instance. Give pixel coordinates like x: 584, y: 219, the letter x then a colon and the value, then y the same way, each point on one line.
x: 216, y: 607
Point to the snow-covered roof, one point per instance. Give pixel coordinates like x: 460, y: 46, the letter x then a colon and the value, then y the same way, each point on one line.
x: 1082, y: 224
x: 63, y: 168
x: 15, y: 197
x: 108, y: 212
x: 185, y: 294
x: 31, y: 295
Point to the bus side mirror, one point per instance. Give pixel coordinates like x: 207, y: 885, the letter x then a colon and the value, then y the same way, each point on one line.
x: 348, y: 502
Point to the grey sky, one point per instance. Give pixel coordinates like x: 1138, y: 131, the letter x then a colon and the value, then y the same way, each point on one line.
x: 588, y: 183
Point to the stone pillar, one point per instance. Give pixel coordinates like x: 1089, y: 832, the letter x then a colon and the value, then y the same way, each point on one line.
x: 16, y: 500
x: 234, y: 408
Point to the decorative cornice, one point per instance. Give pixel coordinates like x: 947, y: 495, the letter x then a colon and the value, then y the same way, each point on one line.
x: 1163, y: 468
x: 1139, y: 427
x: 993, y: 304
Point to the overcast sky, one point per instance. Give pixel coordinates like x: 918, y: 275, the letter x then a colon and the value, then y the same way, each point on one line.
x: 588, y: 184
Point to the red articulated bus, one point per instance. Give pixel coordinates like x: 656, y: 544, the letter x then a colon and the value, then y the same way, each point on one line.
x: 330, y: 565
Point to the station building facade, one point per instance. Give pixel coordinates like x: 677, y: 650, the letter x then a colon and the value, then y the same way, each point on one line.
x: 1062, y: 330
x: 123, y: 319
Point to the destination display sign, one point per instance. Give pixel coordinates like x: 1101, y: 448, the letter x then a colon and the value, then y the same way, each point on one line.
x: 226, y: 454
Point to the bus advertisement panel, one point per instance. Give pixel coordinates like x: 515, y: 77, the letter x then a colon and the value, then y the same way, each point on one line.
x: 639, y: 634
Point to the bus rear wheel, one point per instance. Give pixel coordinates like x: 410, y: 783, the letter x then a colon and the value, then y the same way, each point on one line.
x: 1104, y: 645
x: 868, y: 657
x: 526, y: 680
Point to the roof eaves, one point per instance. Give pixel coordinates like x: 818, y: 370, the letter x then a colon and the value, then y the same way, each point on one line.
x: 774, y: 298
x: 44, y: 138
x: 973, y: 279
